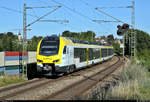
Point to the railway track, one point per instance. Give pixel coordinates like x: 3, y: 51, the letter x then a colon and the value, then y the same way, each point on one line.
x: 16, y: 90
x: 19, y: 85
x: 11, y: 90
x: 79, y: 88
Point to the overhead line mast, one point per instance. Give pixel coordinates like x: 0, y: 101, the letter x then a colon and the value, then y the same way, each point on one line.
x: 132, y: 39
x: 24, y: 62
x: 133, y: 33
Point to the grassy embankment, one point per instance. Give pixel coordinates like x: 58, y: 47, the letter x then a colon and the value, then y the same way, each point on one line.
x: 134, y: 84
x: 7, y: 80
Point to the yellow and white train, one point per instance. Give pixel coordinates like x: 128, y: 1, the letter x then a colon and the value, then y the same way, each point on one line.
x: 57, y: 55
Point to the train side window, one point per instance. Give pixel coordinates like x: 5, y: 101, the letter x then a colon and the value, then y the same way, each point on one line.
x: 104, y: 52
x: 64, y: 51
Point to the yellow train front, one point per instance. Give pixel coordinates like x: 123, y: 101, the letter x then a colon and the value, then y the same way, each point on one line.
x: 57, y: 55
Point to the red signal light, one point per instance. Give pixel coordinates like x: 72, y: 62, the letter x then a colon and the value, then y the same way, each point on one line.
x: 119, y: 33
x: 125, y: 26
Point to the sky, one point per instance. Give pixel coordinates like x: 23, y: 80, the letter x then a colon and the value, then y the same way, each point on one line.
x: 79, y: 13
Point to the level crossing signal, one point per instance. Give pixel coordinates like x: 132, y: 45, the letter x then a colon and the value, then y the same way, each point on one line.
x: 122, y: 29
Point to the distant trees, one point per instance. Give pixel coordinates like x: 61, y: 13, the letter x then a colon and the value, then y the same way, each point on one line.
x: 7, y: 41
x: 117, y: 48
x: 142, y: 47
x: 103, y: 37
x: 88, y: 36
x: 110, y: 39
x: 32, y: 45
x: 10, y: 42
x: 142, y: 42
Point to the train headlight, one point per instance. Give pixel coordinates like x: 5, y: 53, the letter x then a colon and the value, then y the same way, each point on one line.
x: 39, y: 60
x: 56, y: 60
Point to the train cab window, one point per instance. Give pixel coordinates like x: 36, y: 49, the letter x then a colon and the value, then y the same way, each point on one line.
x: 49, y: 47
x: 64, y: 51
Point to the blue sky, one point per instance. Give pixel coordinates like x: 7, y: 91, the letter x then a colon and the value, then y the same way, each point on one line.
x: 12, y: 20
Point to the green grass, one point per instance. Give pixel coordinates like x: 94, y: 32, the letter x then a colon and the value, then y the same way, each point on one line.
x: 7, y: 80
x: 145, y: 93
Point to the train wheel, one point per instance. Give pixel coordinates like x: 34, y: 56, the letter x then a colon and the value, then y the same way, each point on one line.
x: 72, y: 68
x: 67, y: 70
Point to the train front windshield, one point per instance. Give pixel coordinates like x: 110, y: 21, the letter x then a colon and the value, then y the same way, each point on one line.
x: 49, y: 47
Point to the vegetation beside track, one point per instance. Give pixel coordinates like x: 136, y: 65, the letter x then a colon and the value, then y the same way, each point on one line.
x: 8, y: 80
x: 134, y: 84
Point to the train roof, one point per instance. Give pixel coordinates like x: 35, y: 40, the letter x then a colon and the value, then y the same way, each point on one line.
x: 75, y: 42
x: 72, y: 41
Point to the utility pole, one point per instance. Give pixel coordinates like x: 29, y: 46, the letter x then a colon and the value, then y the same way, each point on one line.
x: 24, y: 62
x: 133, y: 34
x: 25, y: 26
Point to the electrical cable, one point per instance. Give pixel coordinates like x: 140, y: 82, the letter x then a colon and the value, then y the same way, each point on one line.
x: 75, y: 11
x: 94, y: 10
x: 17, y: 11
x: 66, y: 11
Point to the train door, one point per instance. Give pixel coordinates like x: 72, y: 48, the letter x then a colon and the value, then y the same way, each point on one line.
x: 64, y: 57
x: 70, y: 55
x: 67, y: 56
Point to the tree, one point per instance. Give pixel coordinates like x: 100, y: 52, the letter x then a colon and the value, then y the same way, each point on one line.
x: 117, y: 48
x: 10, y: 34
x: 66, y: 33
x: 32, y: 45
x: 110, y: 38
x: 88, y: 36
x: 9, y: 42
x: 91, y: 36
x: 142, y: 44
x: 103, y: 37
